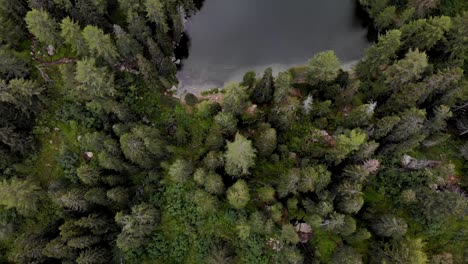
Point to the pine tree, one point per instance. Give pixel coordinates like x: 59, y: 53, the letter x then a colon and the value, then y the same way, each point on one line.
x: 213, y: 160
x: 20, y: 93
x: 457, y: 44
x: 100, y: 44
x: 71, y: 34
x: 386, y: 18
x: 266, y: 194
x: 282, y: 86
x: 180, y: 171
x: 57, y: 248
x: 13, y: 65
x: 265, y: 140
x: 235, y: 99
x: 289, y: 182
x: 97, y: 196
x: 379, y: 54
x: 22, y: 195
x: 425, y: 33
x: 385, y: 125
x: 214, y: 183
x: 136, y: 226
x: 288, y: 234
x: 389, y: 226
x: 227, y: 122
x: 346, y: 255
x: 240, y: 156
x: 323, y: 67
x: 406, y: 70
x: 82, y: 242
x: 238, y: 194
x: 155, y: 12
x: 74, y: 200
x: 264, y: 89
x: 411, y: 123
x: 351, y: 204
x: 94, y: 81
x: 205, y: 202
x: 93, y: 256
x: 88, y: 174
x: 119, y: 195
x: 97, y: 224
x: 41, y: 25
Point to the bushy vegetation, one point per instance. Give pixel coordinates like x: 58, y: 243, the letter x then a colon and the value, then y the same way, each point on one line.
x: 100, y: 164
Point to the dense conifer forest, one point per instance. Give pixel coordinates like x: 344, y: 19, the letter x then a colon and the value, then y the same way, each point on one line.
x: 100, y: 163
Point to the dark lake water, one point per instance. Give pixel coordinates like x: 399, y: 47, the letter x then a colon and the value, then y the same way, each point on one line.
x: 230, y: 37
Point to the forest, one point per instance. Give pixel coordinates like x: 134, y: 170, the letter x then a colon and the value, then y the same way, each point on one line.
x: 101, y: 163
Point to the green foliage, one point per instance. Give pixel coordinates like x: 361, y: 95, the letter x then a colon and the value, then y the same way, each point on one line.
x: 239, y: 156
x: 238, y: 194
x: 190, y: 99
x: 136, y: 226
x: 379, y: 54
x: 390, y: 226
x: 71, y: 34
x: 263, y: 90
x: 235, y: 99
x: 100, y: 164
x: 323, y: 67
x: 93, y: 81
x: 43, y: 27
x: 155, y: 12
x: 282, y: 86
x: 100, y: 44
x: 406, y: 70
x: 22, y: 195
x: 180, y: 170
x: 346, y: 255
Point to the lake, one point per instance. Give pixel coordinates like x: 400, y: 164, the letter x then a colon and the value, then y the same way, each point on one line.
x: 229, y: 37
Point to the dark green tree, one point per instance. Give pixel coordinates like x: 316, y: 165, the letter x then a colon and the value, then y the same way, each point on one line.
x: 264, y: 89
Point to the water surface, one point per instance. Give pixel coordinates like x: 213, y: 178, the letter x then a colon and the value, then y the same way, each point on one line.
x: 230, y: 37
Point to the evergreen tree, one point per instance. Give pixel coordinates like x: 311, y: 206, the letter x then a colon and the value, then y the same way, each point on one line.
x: 100, y: 44
x: 155, y: 12
x: 22, y: 195
x: 41, y: 25
x: 180, y: 170
x: 389, y: 226
x: 346, y: 255
x: 119, y: 195
x: 93, y: 256
x: 93, y: 81
x: 239, y: 156
x: 238, y: 194
x: 136, y: 226
x: 227, y: 122
x: 425, y: 33
x: 266, y: 140
x: 83, y: 241
x: 379, y: 54
x: 323, y: 67
x: 282, y: 86
x: 406, y: 70
x: 74, y: 200
x: 264, y: 89
x: 88, y: 174
x: 71, y: 34
x: 404, y: 251
x: 288, y: 234
x: 20, y: 93
x: 214, y: 183
x: 235, y: 99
